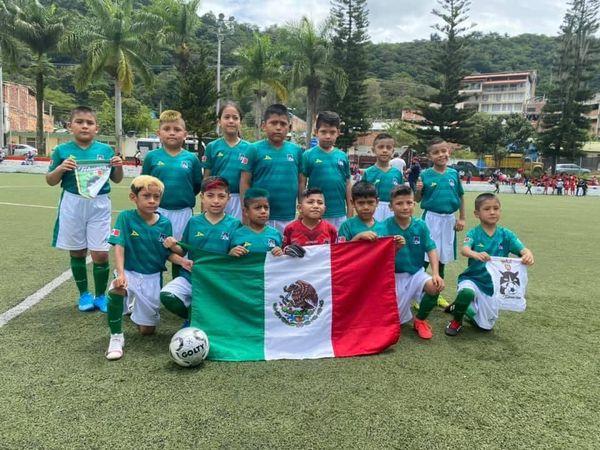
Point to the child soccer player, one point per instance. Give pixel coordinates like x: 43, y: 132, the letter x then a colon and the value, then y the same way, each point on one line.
x: 226, y: 156
x: 475, y: 287
x: 328, y: 168
x: 310, y: 228
x: 274, y: 165
x: 210, y: 231
x: 383, y: 175
x: 140, y: 258
x: 83, y: 223
x: 412, y: 281
x: 256, y: 236
x: 363, y: 225
x: 440, y: 192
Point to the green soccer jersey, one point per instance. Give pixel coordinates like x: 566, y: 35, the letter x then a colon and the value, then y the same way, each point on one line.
x: 384, y: 181
x: 227, y: 162
x: 201, y: 234
x: 96, y: 151
x: 411, y: 257
x: 441, y: 191
x: 264, y: 242
x: 354, y: 226
x: 277, y: 170
x: 181, y: 175
x: 143, y: 243
x: 502, y: 243
x: 329, y: 171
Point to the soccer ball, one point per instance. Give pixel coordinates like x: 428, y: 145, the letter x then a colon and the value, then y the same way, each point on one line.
x: 189, y: 346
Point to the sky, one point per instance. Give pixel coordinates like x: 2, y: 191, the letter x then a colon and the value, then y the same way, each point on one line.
x: 403, y: 20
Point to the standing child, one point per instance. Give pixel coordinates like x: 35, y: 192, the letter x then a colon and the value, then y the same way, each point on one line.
x: 412, y: 281
x: 84, y: 223
x: 274, y: 165
x: 310, y: 228
x: 383, y: 175
x: 210, y: 231
x: 228, y: 155
x: 140, y: 259
x: 328, y: 169
x: 441, y: 194
x: 363, y: 225
x: 475, y: 287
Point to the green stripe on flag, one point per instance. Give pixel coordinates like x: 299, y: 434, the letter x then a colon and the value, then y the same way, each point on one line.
x: 228, y: 305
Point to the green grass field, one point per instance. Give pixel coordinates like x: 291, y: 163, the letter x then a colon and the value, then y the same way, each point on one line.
x: 531, y: 383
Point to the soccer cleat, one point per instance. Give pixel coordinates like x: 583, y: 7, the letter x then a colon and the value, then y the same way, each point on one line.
x: 115, y: 347
x: 86, y: 302
x: 101, y: 302
x: 422, y: 328
x: 450, y: 308
x: 415, y: 305
x: 442, y: 302
x: 453, y: 328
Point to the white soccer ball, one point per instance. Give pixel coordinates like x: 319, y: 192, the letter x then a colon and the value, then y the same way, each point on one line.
x: 189, y: 346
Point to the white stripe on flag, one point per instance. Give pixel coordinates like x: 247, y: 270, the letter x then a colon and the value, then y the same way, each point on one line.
x: 312, y: 340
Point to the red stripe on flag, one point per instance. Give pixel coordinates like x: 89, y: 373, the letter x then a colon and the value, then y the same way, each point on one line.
x: 365, y: 312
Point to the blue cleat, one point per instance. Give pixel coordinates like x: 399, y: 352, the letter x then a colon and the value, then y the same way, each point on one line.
x: 86, y: 302
x: 101, y: 302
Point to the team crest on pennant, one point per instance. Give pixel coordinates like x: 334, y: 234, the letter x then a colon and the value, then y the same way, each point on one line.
x: 91, y: 176
x: 299, y: 305
x: 509, y: 283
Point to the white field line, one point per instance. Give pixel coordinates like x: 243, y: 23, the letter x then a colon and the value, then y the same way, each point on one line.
x: 36, y: 297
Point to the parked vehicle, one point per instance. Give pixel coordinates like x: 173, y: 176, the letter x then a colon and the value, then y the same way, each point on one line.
x: 571, y: 169
x: 23, y: 149
x: 465, y: 166
x: 513, y: 163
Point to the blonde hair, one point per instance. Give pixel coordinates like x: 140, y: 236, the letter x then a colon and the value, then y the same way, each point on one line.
x: 170, y: 115
x: 144, y: 182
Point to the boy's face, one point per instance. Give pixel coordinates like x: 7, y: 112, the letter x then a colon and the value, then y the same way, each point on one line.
x: 440, y: 154
x: 403, y: 206
x: 172, y: 134
x: 489, y: 212
x: 365, y: 207
x: 258, y: 211
x: 312, y: 207
x: 384, y: 149
x: 327, y: 135
x: 215, y: 200
x: 276, y: 128
x: 84, y: 127
x: 230, y: 120
x: 147, y: 200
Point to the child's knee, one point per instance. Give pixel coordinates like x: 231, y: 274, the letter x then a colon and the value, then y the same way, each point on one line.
x: 78, y: 253
x: 146, y: 330
x: 118, y: 291
x: 430, y: 288
x: 99, y: 257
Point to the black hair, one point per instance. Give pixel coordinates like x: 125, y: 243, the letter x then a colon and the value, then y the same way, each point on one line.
x: 364, y: 189
x: 277, y: 109
x: 400, y: 190
x: 311, y: 191
x: 253, y: 194
x: 382, y: 136
x: 433, y: 142
x: 481, y: 198
x: 227, y: 104
x: 328, y: 118
x: 214, y: 182
x: 82, y: 110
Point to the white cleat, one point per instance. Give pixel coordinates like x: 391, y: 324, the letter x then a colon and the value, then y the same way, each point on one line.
x: 115, y: 347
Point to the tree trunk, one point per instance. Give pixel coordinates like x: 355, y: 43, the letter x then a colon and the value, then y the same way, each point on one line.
x: 39, y: 125
x: 118, y: 117
x: 258, y: 113
x: 311, y: 110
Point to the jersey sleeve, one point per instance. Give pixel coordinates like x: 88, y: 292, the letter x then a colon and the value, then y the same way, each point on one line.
x: 251, y: 165
x: 119, y: 231
x: 299, y: 156
x: 147, y: 165
x: 278, y: 238
x: 306, y: 166
x: 515, y: 244
x: 333, y: 234
x: 365, y: 176
x: 196, y: 174
x: 344, y: 235
x: 459, y: 187
x: 287, y: 236
x: 426, y: 237
x: 469, y: 239
x: 56, y: 160
x: 207, y: 158
x: 346, y: 167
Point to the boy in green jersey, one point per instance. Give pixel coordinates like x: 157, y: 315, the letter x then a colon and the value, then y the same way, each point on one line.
x: 83, y: 222
x: 475, y: 287
x: 256, y: 236
x: 210, y: 231
x: 383, y: 175
x: 412, y: 281
x: 140, y: 258
x: 363, y: 225
x: 274, y: 165
x: 327, y: 168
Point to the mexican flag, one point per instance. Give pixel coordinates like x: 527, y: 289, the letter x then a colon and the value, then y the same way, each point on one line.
x: 338, y: 300
x: 91, y: 175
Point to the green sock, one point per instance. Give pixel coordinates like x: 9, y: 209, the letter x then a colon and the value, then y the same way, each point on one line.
x: 174, y: 304
x: 462, y: 302
x: 79, y: 273
x: 115, y: 313
x: 175, y: 270
x: 101, y: 272
x: 428, y: 302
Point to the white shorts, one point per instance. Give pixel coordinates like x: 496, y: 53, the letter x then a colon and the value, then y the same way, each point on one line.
x: 82, y: 223
x: 486, y: 308
x: 178, y: 218
x: 181, y: 288
x: 383, y: 211
x: 234, y: 207
x: 336, y: 221
x: 441, y: 227
x: 143, y: 294
x: 279, y: 225
x: 408, y: 288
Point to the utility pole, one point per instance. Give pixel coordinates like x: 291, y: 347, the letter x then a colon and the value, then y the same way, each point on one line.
x: 223, y: 27
x: 1, y: 104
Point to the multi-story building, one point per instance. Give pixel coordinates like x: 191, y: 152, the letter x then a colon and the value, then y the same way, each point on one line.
x: 21, y: 107
x: 499, y: 93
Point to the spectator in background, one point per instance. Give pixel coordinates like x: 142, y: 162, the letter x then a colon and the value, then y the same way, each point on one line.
x: 413, y: 173
x: 469, y: 176
x: 137, y: 158
x: 398, y: 163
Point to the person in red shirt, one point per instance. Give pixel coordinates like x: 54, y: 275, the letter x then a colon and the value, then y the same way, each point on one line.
x: 310, y: 228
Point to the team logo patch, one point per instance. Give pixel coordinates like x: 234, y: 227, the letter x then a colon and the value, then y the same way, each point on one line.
x: 267, y: 158
x: 100, y: 157
x: 434, y: 184
x: 509, y: 282
x: 134, y: 233
x: 185, y: 164
x: 199, y: 234
x: 416, y: 240
x: 247, y: 244
x: 500, y: 247
x: 243, y: 159
x: 480, y: 245
x: 340, y: 162
x: 299, y: 305
x: 467, y: 240
x: 317, y: 161
x: 271, y: 243
x: 451, y: 182
x: 225, y: 236
x: 290, y: 157
x: 220, y: 155
x: 160, y: 163
x: 115, y: 232
x: 377, y: 181
x: 162, y: 237
x: 204, y: 158
x: 395, y: 182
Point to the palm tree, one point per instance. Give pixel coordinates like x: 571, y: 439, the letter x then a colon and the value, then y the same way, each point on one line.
x: 259, y: 68
x: 40, y: 28
x: 8, y: 50
x: 310, y: 52
x: 115, y: 42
